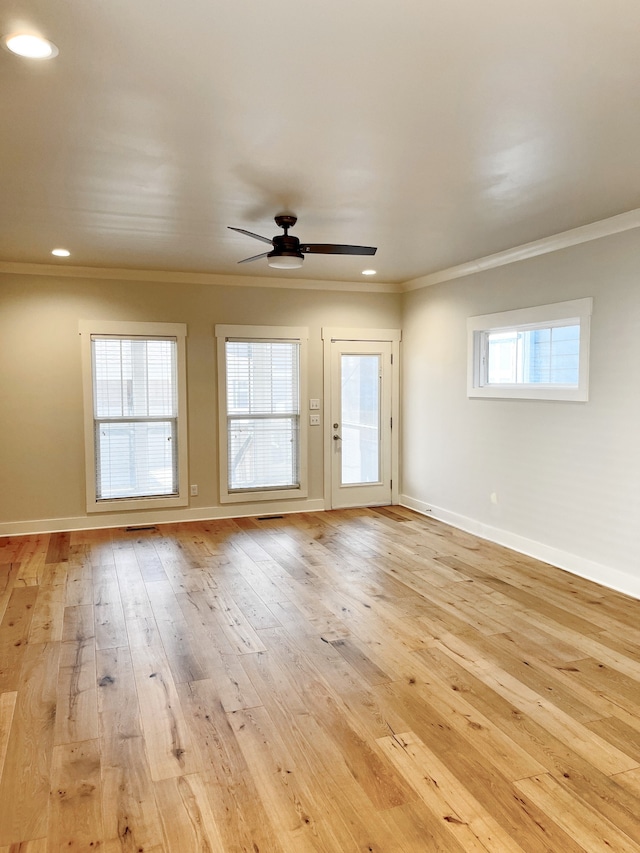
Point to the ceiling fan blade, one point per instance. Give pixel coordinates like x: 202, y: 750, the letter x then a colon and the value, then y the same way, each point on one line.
x: 254, y: 258
x: 251, y: 234
x: 336, y: 249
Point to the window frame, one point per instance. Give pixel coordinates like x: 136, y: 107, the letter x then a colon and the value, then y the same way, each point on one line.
x: 117, y: 329
x: 275, y: 334
x: 573, y: 312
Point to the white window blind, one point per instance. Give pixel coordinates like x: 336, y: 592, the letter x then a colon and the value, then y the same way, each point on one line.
x: 135, y: 416
x: 263, y: 414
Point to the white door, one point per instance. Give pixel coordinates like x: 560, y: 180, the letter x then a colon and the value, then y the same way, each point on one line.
x: 360, y: 423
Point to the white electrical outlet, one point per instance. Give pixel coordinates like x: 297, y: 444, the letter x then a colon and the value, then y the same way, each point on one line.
x: 314, y: 420
x: 194, y: 491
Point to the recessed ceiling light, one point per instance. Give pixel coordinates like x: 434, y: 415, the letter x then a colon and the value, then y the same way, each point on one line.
x: 61, y: 253
x: 33, y: 47
x: 368, y: 272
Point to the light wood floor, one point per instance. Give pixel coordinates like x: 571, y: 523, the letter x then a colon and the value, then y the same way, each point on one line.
x: 365, y: 680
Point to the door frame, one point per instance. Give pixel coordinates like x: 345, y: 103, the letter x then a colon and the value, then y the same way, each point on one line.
x: 394, y: 337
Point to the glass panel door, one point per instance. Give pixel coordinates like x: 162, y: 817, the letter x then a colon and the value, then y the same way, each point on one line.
x: 360, y: 378
x: 360, y: 423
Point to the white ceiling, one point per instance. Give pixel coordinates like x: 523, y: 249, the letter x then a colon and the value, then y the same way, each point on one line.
x: 439, y: 132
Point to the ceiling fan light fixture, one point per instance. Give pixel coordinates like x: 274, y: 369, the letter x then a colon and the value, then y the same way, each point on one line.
x: 285, y: 262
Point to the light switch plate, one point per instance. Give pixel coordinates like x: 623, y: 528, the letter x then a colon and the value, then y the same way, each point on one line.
x: 314, y: 420
x: 314, y: 404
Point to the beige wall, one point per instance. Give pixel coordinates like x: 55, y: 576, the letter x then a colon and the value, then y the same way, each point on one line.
x: 555, y: 479
x: 41, y: 411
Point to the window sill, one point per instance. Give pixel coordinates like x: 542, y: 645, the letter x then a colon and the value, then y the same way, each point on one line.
x: 518, y: 392
x: 122, y: 504
x: 262, y: 495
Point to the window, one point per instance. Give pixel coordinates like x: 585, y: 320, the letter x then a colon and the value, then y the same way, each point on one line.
x: 531, y: 353
x: 261, y: 374
x: 135, y: 415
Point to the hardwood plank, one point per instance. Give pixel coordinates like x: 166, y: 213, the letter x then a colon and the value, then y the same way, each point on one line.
x: 38, y: 845
x: 216, y: 656
x: 14, y: 631
x: 595, y: 833
x: 234, y: 686
x: 176, y: 637
x: 342, y: 796
x: 349, y: 729
x: 630, y: 781
x: 543, y: 680
x: 604, y: 680
x: 110, y: 628
x: 200, y: 616
x: 167, y: 740
x: 142, y: 631
x: 318, y: 669
x: 79, y: 586
x: 602, y: 792
x: 256, y: 612
x: 58, y: 550
x: 619, y: 735
x: 75, y: 819
x: 118, y: 708
x: 283, y: 791
x: 32, y: 560
x: 242, y: 637
x: 150, y: 563
x: 242, y: 821
x: 470, y: 824
x: 419, y: 831
x: 256, y: 575
x: 187, y: 820
x: 528, y: 826
x: 597, y: 647
x: 7, y: 707
x: 130, y: 814
x: 24, y: 789
x: 363, y: 665
x: 76, y: 696
x: 601, y: 754
x: 433, y: 693
x: 78, y: 623
x: 8, y: 575
x: 48, y: 614
x: 133, y: 590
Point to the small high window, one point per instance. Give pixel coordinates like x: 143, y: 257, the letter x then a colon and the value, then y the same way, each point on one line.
x: 532, y: 353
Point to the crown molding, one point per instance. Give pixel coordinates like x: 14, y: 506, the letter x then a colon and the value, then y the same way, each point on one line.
x: 162, y: 276
x: 584, y: 234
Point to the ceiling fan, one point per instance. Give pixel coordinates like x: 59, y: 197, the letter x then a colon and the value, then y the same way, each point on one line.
x: 288, y: 252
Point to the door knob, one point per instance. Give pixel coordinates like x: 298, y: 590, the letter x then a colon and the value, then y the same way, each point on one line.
x: 337, y: 437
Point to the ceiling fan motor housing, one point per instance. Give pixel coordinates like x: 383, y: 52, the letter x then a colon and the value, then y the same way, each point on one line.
x: 285, y: 246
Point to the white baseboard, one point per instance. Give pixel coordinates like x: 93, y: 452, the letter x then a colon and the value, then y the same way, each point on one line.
x: 587, y: 569
x: 148, y: 517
